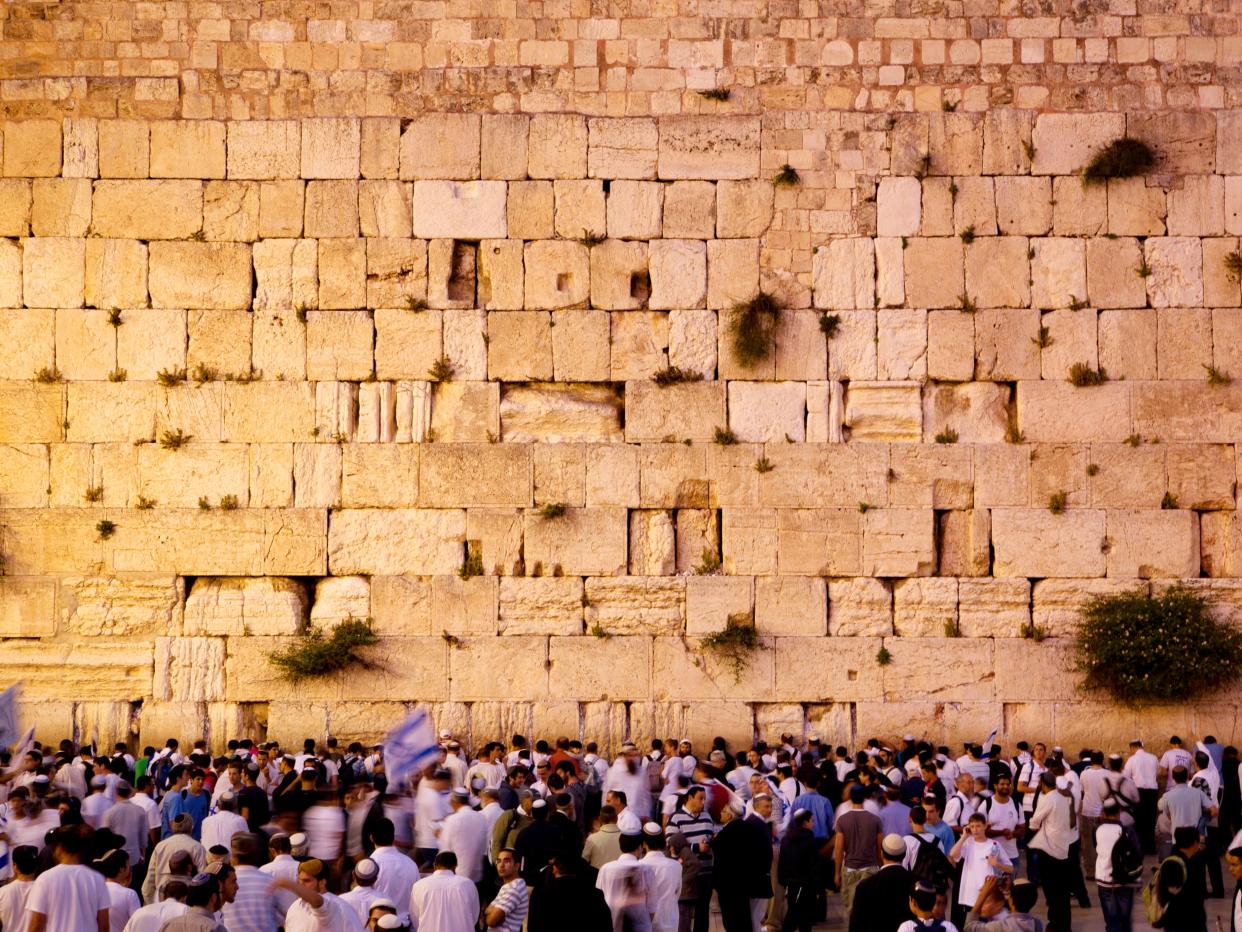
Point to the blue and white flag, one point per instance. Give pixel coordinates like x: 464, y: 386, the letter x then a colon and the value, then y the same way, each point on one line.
x: 410, y: 747
x: 10, y: 730
x: 987, y: 742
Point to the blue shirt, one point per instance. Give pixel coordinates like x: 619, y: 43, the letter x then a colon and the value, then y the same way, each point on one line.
x: 895, y: 817
x: 944, y: 832
x: 821, y: 812
x: 170, y: 808
x: 199, y: 807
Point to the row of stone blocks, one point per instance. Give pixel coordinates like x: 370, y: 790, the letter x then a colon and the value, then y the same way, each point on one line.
x: 465, y: 146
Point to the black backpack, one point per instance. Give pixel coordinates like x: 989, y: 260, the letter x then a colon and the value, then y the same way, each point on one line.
x: 931, y: 866
x: 1126, y: 860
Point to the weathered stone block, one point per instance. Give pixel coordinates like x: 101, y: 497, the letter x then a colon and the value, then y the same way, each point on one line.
x: 459, y: 210
x: 32, y: 148
x: 187, y: 149
x: 678, y: 274
x: 1147, y: 544
x: 583, y: 542
x: 635, y: 605
x: 924, y: 607
x: 653, y: 546
x: 541, y: 606
x: 558, y: 274
x: 53, y: 272
x: 690, y: 210
x: 264, y: 149
x: 709, y: 147
x: 331, y: 148
x: 688, y: 410
x: 621, y: 148
x: 1036, y: 543
x: 993, y: 607
x: 557, y: 146
x: 890, y: 411
x: 200, y: 275
x: 441, y: 145
x: 396, y: 542
x: 844, y: 274
x: 710, y: 600
x: 1065, y: 142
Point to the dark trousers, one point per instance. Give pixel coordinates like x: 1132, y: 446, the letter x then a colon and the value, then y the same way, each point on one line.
x: 1215, y: 848
x: 1032, y: 864
x: 735, y: 910
x: 1056, y: 879
x: 1078, y: 884
x: 1117, y: 903
x: 802, y: 908
x: 1145, y: 819
x: 703, y: 904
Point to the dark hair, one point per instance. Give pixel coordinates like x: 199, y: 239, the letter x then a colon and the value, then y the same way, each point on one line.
x: 383, y: 833
x: 174, y: 890
x: 620, y: 794
x: 200, y: 894
x: 26, y: 859
x: 445, y: 859
x: 1185, y: 835
x: 1180, y: 775
x: 918, y: 815
x: 1025, y: 895
x: 281, y: 845
x: 924, y: 898
x: 630, y: 843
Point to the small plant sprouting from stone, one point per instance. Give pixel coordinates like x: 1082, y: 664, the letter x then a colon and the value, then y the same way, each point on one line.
x: 718, y: 94
x: 829, y: 324
x: 1134, y: 440
x: 734, y: 643
x: 451, y: 640
x: 948, y: 106
x: 968, y: 235
x: 48, y: 375
x: 672, y: 375
x: 205, y: 373
x: 94, y: 493
x: 709, y: 563
x: 951, y: 629
x: 883, y: 657
x: 599, y: 632
x: 787, y: 177
x: 966, y: 303
x: 473, y: 564
x: 170, y: 378
x: 300, y: 312
x: 1029, y: 149
x: 315, y: 655
x: 442, y: 370
x: 1082, y: 375
x: 724, y: 436
x: 1056, y: 502
x: 948, y: 435
x: 1143, y: 270
x: 204, y: 503
x: 550, y: 511
x: 118, y: 375
x: 114, y: 318
x: 924, y: 168
x: 752, y: 327
x: 1076, y: 303
x: 144, y: 503
x: 105, y: 529
x: 1217, y: 377
x: 415, y: 304
x: 1043, y: 339
x: 1169, y: 502
x: 1033, y: 632
x: 198, y: 236
x: 864, y: 507
x: 590, y: 238
x: 175, y: 439
x: 763, y: 464
x: 1093, y: 469
x: 229, y: 503
x: 1233, y: 265
x: 1013, y: 434
x: 1121, y: 158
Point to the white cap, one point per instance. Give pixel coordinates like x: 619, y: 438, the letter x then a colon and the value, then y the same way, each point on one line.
x: 651, y: 828
x: 1063, y: 783
x: 388, y: 921
x: 907, y: 737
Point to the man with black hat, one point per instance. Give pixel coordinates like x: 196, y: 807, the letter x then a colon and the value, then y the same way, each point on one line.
x: 881, y: 902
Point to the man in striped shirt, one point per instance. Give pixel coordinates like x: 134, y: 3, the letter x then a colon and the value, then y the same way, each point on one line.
x: 693, y: 822
x: 508, y: 910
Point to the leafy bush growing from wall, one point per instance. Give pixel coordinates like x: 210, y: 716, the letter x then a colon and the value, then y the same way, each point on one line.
x: 313, y: 654
x: 1168, y: 648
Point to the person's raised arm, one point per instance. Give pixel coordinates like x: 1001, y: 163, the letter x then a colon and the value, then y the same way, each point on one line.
x: 309, y: 897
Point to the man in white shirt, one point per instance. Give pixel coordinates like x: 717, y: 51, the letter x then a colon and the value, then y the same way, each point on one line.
x: 443, y: 901
x: 664, y: 875
x: 491, y: 811
x: 95, y: 805
x: 959, y: 807
x: 1005, y: 824
x: 220, y: 828
x: 281, y: 864
x: 1028, y: 777
x: 1095, y: 788
x: 397, y: 873
x: 465, y: 833
x: 13, y: 895
x: 364, y: 893
x: 69, y: 897
x: 1143, y: 768
x: 628, y: 821
x: 316, y: 910
x: 627, y: 887
x: 1175, y: 756
x: 430, y: 809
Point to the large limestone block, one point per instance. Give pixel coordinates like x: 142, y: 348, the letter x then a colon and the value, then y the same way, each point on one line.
x: 395, y: 542
x: 673, y: 476
x: 884, y: 411
x: 466, y: 412
x: 1176, y: 264
x: 978, y: 412
x: 342, y: 273
x: 200, y: 275
x: 147, y: 210
x: 179, y: 478
x: 1127, y: 343
x: 684, y: 671
x: 743, y: 208
x: 465, y: 607
x: 247, y: 412
x: 264, y: 148
x: 116, y: 273
x: 653, y: 546
x: 635, y: 209
x: 1037, y: 672
x: 129, y: 605
x: 31, y: 413
x: 1006, y: 137
x: 710, y: 600
x: 1065, y: 142
x: 1036, y: 543
x: 498, y: 533
x: 189, y: 669
x: 24, y: 475
x: 698, y: 530
x: 474, y: 667
x: 281, y: 208
x: 61, y: 207
x: 582, y: 542
x: 53, y: 272
x: 619, y: 276
x: 32, y: 148
x: 678, y: 270
x: 932, y: 475
x: 1183, y: 342
x: 621, y: 148
x: 1005, y: 344
x: 639, y: 344
x: 457, y: 475
x: 401, y: 605
x: 580, y: 208
x: 459, y: 210
x: 612, y: 475
x: 1057, y: 411
x: 934, y: 268
x: 1023, y: 205
x: 187, y: 149
x: 600, y: 668
x: 1184, y: 142
x: 859, y: 607
x: 844, y: 274
x: 504, y: 145
x: 732, y: 271
x: 407, y: 343
x: 925, y: 607
x: 1057, y: 604
x: 902, y: 347
x: 635, y: 605
x: 709, y: 147
x: 1135, y: 208
x: 1202, y: 476
x: 547, y: 605
x: 1112, y: 280
x: 1194, y: 412
x: 124, y: 148
x: 819, y: 541
x: 899, y: 204
x: 825, y: 475
x: 1147, y: 544
x: 441, y: 145
x: 1058, y: 272
x: 690, y: 210
x: 767, y: 412
x: 338, y: 598
x: 99, y: 669
x: 101, y: 412
x: 688, y: 410
x: 899, y: 542
x: 557, y: 146
x: 237, y: 605
x: 1126, y: 476
x: 993, y: 607
x: 558, y: 274
x: 331, y: 148
x: 827, y: 669
x: 85, y: 346
x: 998, y: 271
x: 938, y: 668
x: 15, y: 205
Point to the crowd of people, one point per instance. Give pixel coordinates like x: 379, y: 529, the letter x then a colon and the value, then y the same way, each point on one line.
x: 544, y: 837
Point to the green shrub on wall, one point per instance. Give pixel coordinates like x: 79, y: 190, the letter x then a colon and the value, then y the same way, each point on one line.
x: 1141, y: 649
x: 315, y: 655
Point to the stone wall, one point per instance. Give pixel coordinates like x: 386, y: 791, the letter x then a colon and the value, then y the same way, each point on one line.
x: 242, y: 243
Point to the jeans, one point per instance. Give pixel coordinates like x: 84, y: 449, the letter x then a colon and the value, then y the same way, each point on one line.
x: 1116, y: 902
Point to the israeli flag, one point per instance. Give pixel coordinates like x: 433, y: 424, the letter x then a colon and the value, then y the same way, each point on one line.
x: 410, y: 747
x: 10, y: 730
